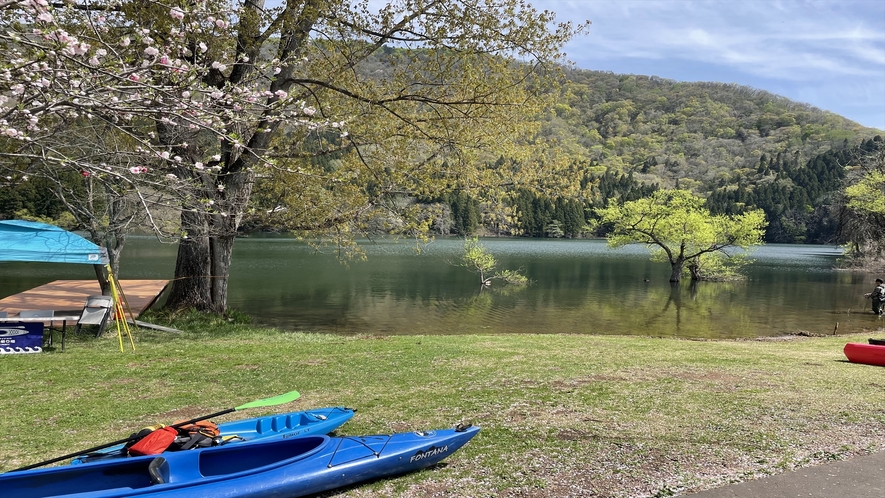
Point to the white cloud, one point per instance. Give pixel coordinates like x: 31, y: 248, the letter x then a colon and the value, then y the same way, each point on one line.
x: 821, y: 52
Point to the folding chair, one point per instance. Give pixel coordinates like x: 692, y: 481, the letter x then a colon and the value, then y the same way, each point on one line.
x: 96, y: 312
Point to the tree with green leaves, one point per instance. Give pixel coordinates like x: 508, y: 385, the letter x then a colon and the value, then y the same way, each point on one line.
x: 865, y: 200
x: 479, y: 260
x: 681, y: 230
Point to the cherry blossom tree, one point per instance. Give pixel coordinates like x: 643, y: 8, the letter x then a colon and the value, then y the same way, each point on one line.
x: 183, y: 105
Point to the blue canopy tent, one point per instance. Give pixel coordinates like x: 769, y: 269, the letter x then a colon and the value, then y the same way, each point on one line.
x: 39, y: 242
x: 32, y: 241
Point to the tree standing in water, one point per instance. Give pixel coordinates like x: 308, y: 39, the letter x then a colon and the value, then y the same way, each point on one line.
x: 681, y: 231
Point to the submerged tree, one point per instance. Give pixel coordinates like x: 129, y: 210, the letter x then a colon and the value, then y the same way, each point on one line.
x: 865, y: 201
x: 479, y: 260
x: 205, y: 98
x: 681, y: 230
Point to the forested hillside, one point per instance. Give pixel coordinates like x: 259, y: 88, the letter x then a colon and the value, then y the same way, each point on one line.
x: 738, y: 146
x: 702, y: 135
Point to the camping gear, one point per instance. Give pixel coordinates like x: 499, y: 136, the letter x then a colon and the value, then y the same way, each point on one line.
x: 284, y: 425
x: 868, y: 354
x: 22, y: 240
x: 267, y: 467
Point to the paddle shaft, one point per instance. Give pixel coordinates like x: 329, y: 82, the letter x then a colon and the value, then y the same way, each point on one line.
x: 121, y: 441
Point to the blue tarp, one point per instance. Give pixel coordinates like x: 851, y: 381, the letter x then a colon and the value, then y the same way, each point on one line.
x: 31, y: 241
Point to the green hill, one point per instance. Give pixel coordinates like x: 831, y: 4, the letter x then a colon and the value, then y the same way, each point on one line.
x: 701, y: 135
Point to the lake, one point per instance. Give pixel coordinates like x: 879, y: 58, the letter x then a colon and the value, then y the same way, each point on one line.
x: 578, y: 287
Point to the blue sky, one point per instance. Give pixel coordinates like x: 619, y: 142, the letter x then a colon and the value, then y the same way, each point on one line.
x: 829, y: 54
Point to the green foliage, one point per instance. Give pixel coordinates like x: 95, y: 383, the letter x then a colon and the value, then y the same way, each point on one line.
x: 618, y: 138
x: 539, y: 215
x: 718, y: 266
x: 421, y: 127
x: 463, y: 215
x: 680, y: 229
x: 479, y: 260
x: 606, y: 137
x: 702, y: 131
x: 794, y: 197
x: 65, y: 220
x: 865, y: 200
x: 33, y: 196
x: 512, y: 277
x: 804, y: 202
x: 868, y: 195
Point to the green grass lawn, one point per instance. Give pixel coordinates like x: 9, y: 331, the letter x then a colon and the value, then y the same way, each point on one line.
x: 561, y: 415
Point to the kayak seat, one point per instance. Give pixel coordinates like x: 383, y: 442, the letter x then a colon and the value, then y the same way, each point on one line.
x: 156, y: 470
x: 180, y: 466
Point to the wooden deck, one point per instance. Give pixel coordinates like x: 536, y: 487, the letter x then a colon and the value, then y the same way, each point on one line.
x: 70, y: 295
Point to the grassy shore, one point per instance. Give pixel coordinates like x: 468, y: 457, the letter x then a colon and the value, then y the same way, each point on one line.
x: 561, y: 415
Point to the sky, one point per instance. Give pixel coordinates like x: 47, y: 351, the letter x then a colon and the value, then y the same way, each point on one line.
x: 829, y: 54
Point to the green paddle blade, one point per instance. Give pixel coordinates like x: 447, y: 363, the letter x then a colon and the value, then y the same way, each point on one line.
x: 276, y: 400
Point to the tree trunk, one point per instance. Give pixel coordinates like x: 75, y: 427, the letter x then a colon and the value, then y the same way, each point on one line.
x: 676, y: 267
x: 204, y: 257
x: 221, y: 248
x: 192, y: 283
x: 694, y: 269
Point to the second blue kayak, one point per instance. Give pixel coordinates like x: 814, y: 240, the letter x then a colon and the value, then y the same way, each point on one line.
x: 283, y: 425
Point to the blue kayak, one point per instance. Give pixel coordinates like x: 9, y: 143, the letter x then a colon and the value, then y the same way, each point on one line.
x: 284, y: 425
x: 270, y: 467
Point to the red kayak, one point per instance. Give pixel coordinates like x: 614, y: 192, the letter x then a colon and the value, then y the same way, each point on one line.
x: 868, y: 354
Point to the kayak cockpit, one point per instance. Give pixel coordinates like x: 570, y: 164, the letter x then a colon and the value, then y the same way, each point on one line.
x: 104, y: 480
x: 187, y: 466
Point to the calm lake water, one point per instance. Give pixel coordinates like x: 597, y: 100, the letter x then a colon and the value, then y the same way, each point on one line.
x: 578, y: 287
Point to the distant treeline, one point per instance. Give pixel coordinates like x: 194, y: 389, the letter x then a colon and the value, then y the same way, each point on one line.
x: 802, y: 202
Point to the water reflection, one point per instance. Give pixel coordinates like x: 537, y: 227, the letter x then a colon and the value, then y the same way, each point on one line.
x: 578, y: 287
